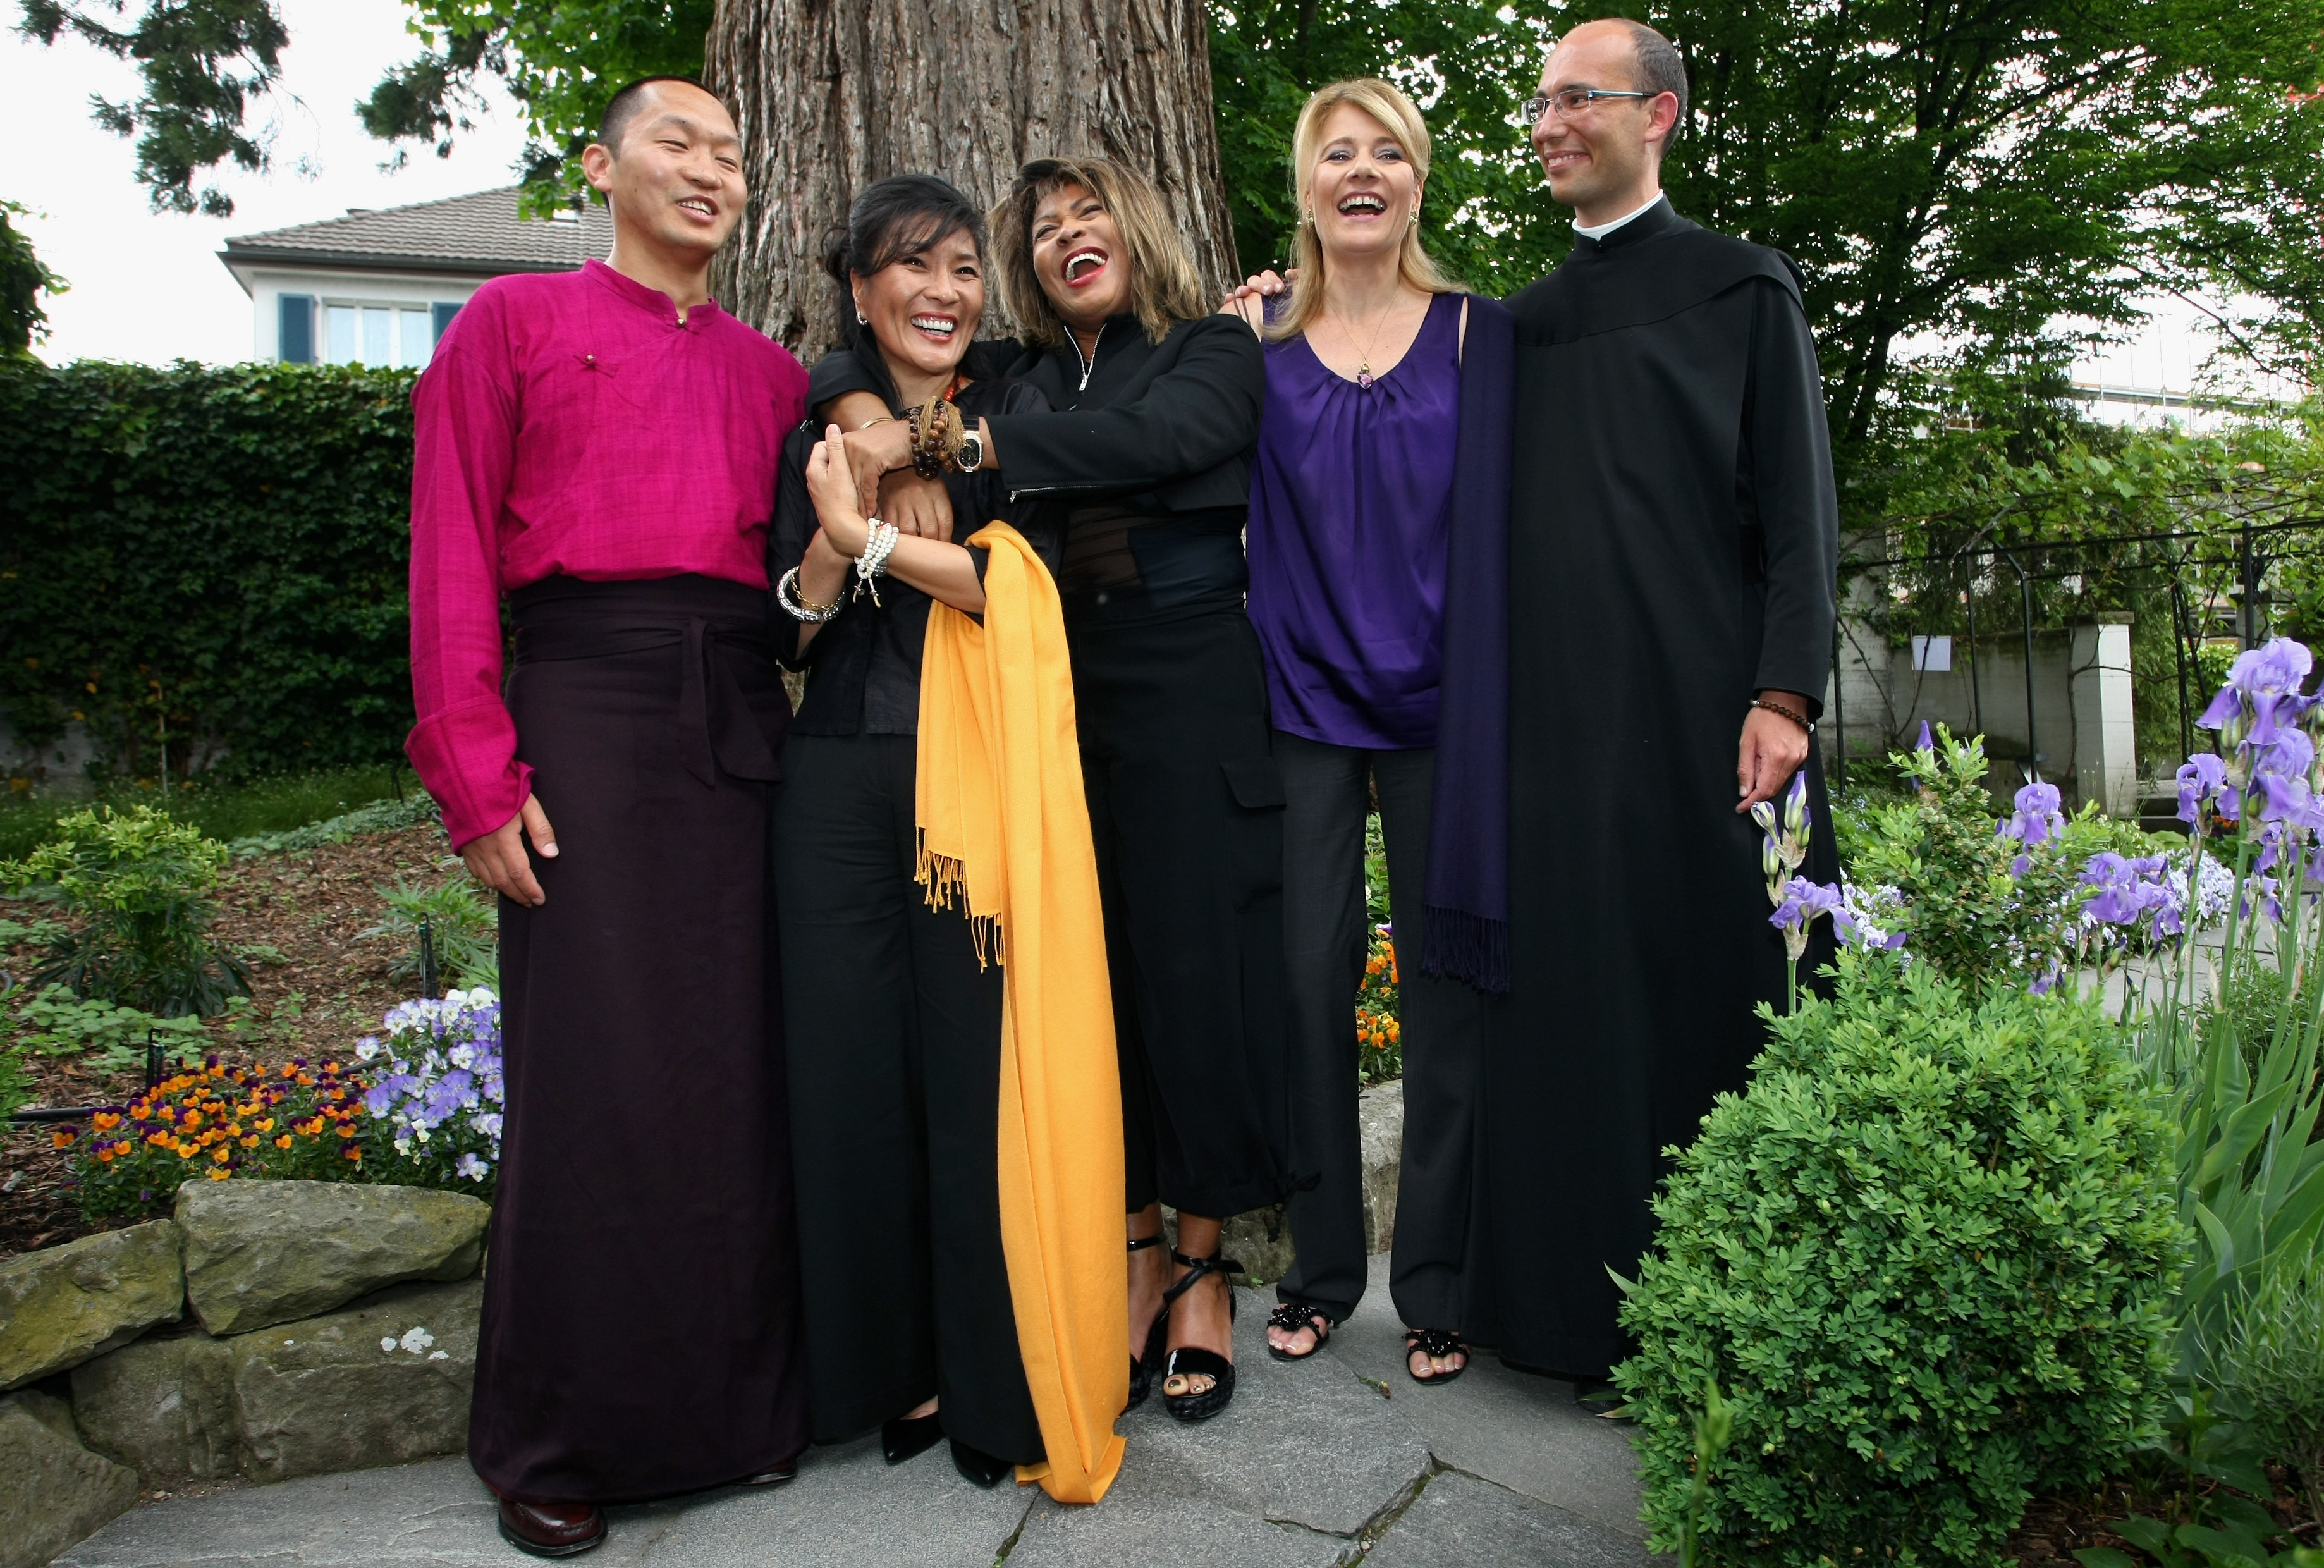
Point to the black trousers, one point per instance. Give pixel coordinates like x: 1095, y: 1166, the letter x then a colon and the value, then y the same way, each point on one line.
x: 1186, y: 811
x: 1442, y: 1034
x: 895, y: 1087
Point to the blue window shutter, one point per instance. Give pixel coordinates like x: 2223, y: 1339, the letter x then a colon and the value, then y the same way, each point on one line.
x: 443, y: 314
x: 296, y: 342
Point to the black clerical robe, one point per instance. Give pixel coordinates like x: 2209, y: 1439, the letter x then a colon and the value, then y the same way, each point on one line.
x: 1673, y: 537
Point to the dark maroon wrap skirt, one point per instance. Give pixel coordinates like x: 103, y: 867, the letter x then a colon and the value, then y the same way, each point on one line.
x: 642, y: 1327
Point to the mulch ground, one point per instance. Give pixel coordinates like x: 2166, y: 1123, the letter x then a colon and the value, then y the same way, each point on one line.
x: 308, y: 906
x: 2056, y: 1528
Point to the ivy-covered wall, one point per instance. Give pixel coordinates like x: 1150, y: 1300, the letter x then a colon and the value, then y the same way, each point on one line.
x: 219, y: 550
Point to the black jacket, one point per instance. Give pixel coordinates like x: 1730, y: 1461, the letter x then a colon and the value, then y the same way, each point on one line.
x: 1167, y: 425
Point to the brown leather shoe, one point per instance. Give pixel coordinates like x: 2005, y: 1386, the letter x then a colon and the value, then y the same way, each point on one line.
x: 551, y: 1529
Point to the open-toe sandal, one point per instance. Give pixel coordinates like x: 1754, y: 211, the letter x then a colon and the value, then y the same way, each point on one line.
x: 1143, y: 1368
x: 1192, y: 1361
x: 1436, y: 1344
x: 1291, y: 1317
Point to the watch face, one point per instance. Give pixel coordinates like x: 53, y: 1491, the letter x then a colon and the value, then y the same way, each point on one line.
x: 971, y: 454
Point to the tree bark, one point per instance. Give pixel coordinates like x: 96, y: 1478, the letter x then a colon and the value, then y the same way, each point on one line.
x: 832, y: 95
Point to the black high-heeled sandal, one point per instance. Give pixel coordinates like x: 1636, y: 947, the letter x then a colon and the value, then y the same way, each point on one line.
x: 1157, y: 1339
x: 1436, y: 1344
x: 1193, y: 1361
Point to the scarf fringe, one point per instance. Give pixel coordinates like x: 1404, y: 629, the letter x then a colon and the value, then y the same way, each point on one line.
x: 1466, y: 946
x: 946, y: 879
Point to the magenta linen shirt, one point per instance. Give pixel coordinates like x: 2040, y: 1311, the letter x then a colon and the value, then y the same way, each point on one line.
x: 570, y: 423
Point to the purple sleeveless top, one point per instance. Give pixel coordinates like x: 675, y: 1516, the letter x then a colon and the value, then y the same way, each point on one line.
x: 1349, y: 499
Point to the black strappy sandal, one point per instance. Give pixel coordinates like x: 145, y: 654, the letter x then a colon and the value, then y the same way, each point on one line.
x: 1157, y: 1339
x: 1192, y: 1361
x: 1436, y: 1344
x: 1292, y: 1317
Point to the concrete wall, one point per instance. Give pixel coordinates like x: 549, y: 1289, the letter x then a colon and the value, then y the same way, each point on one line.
x: 2082, y: 720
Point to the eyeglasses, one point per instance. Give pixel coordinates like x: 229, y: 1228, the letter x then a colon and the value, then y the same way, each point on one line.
x: 1573, y: 101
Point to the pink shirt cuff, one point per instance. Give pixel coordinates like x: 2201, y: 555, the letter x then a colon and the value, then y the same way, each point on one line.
x: 467, y: 757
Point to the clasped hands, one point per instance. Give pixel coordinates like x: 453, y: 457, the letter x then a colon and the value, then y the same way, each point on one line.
x: 880, y: 456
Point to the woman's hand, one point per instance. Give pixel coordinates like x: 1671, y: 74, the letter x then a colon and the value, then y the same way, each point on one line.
x: 880, y: 449
x: 917, y: 506
x: 831, y: 486
x: 1248, y: 300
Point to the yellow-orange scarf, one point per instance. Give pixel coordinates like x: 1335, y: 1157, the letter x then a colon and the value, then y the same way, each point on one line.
x: 1003, y: 821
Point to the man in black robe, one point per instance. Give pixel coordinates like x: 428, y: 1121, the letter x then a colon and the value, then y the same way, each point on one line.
x: 1673, y: 538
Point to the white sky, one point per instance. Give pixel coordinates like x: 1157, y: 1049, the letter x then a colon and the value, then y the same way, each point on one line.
x: 149, y: 286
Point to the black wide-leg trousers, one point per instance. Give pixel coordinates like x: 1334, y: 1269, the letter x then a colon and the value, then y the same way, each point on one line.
x: 640, y: 1333
x: 1186, y: 813
x: 894, y: 1032
x: 1441, y: 1032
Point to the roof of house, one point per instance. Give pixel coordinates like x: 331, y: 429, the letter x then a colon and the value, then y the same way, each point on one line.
x: 478, y: 235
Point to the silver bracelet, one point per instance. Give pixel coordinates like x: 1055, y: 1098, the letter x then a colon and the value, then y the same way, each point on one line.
x: 795, y: 604
x: 878, y: 543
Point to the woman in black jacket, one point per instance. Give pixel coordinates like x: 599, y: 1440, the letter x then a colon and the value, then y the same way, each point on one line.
x: 1155, y: 408
x: 892, y: 1016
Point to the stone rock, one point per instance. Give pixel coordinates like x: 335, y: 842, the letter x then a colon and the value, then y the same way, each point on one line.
x: 264, y: 1252
x: 61, y: 1305
x: 1379, y: 1117
x: 53, y: 1492
x: 164, y: 1405
x: 384, y: 1382
x: 1465, y: 1520
x: 1260, y: 1240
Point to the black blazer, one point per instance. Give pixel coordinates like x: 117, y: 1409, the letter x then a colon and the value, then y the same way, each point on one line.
x: 1170, y: 425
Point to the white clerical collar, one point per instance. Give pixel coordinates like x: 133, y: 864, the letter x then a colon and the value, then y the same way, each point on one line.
x: 1599, y: 231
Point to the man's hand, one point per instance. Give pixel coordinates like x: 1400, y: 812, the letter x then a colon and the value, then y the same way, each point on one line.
x: 1772, y: 750
x: 915, y: 506
x: 497, y: 859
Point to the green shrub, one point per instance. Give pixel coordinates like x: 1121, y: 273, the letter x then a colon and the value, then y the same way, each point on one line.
x: 1929, y: 1255
x: 137, y: 879
x: 15, y: 1088
x: 105, y: 1037
x: 462, y: 923
x: 210, y: 557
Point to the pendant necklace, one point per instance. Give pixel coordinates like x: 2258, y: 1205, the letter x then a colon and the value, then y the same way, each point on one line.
x: 1364, y: 359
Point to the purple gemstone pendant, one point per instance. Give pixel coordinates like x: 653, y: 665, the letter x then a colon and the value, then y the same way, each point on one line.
x: 1364, y: 380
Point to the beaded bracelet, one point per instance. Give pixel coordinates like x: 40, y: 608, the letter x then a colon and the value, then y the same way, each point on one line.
x: 1796, y: 717
x: 878, y: 543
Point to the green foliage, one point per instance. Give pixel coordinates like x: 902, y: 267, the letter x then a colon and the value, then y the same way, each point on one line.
x: 15, y: 1087
x: 24, y: 279
x: 379, y: 816
x: 254, y: 815
x: 137, y: 883
x: 562, y: 62
x: 1963, y: 911
x: 211, y: 558
x: 201, y: 63
x: 1929, y: 1257
x: 105, y: 1037
x: 463, y: 924
x: 2271, y: 1363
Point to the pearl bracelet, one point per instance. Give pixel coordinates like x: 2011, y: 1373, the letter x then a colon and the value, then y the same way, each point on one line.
x: 878, y: 543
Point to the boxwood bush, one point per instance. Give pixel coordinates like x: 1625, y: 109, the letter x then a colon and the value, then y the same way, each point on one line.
x: 1927, y: 1257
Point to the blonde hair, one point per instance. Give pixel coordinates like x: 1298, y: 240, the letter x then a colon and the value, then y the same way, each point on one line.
x: 1399, y: 116
x: 1164, y: 285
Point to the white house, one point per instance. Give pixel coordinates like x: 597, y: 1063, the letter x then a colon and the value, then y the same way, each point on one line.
x: 378, y: 286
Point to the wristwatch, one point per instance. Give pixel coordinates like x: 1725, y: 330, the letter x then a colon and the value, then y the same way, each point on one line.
x: 970, y: 457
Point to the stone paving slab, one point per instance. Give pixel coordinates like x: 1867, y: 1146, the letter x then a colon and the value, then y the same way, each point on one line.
x: 1308, y: 1457
x: 1516, y: 1429
x: 1474, y: 1523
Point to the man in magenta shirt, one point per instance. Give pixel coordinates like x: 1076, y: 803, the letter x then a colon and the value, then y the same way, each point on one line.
x: 602, y: 446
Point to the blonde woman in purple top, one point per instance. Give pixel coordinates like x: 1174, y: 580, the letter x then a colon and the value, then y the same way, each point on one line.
x: 1378, y: 523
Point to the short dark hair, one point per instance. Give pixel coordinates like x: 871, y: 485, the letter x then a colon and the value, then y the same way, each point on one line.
x: 1661, y: 69
x: 624, y: 106
x: 894, y: 218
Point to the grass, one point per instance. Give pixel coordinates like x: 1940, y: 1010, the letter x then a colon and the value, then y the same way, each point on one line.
x: 227, y: 811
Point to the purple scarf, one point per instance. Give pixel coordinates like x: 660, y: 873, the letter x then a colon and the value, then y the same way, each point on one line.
x: 1468, y: 888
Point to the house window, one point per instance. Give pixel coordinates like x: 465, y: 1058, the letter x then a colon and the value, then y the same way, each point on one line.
x: 388, y: 334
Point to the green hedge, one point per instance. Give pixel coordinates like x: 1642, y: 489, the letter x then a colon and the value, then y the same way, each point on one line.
x: 222, y: 546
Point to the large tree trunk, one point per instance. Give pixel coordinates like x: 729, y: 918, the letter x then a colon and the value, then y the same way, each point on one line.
x: 832, y: 94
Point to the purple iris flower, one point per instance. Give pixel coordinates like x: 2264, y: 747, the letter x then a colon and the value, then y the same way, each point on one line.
x: 2202, y: 778
x: 1803, y: 902
x: 1927, y: 743
x: 2037, y: 821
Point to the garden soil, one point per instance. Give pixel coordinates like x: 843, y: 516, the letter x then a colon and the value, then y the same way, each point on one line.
x: 308, y: 906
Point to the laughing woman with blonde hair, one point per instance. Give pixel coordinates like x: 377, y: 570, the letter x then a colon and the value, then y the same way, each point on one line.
x: 1378, y: 539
